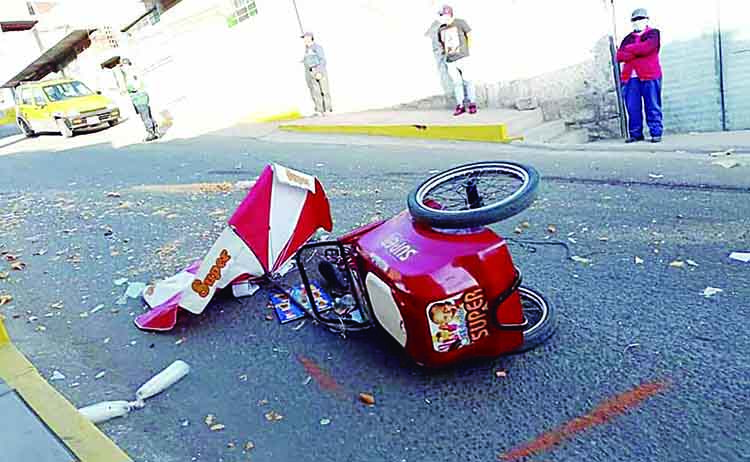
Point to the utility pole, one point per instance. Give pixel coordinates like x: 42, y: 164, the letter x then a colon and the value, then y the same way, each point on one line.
x: 616, y: 70
x: 299, y: 20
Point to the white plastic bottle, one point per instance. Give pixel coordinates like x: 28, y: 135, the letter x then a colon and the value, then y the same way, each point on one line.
x: 106, y: 410
x: 163, y: 380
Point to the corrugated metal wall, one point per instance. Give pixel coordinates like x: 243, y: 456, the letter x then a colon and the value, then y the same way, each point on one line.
x: 691, y: 91
x: 707, y: 68
x: 735, y: 48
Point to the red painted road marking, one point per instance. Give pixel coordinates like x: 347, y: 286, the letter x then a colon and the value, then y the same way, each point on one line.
x: 601, y: 414
x: 323, y: 378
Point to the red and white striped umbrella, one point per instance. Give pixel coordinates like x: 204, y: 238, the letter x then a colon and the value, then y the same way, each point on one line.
x: 280, y: 213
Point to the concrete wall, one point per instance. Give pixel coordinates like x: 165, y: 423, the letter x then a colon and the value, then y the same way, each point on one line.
x: 380, y: 57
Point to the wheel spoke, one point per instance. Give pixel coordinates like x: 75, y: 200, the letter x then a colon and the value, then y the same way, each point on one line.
x: 493, y: 185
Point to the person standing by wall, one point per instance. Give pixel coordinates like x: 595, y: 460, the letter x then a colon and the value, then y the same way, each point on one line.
x: 140, y: 99
x: 316, y: 74
x: 641, y: 77
x: 454, y: 38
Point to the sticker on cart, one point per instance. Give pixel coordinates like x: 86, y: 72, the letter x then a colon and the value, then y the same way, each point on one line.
x: 448, y: 329
x: 458, y: 321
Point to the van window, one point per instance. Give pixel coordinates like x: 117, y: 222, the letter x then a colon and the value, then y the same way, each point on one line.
x: 66, y: 90
x: 39, y: 97
x: 26, y: 96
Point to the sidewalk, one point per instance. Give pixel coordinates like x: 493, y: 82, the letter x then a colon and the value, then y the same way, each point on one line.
x: 703, y: 143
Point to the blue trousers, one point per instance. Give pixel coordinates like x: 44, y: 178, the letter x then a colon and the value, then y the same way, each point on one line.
x: 637, y: 94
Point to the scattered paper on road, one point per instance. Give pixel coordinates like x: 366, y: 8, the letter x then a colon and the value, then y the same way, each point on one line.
x: 728, y: 152
x: 135, y: 289
x: 273, y: 416
x: 726, y: 163
x: 740, y: 256
x: 711, y: 291
x: 244, y: 289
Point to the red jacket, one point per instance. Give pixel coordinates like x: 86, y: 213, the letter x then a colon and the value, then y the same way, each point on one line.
x: 640, y: 52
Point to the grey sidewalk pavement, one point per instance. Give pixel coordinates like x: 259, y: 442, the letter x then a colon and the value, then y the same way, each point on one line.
x: 23, y: 436
x: 707, y: 142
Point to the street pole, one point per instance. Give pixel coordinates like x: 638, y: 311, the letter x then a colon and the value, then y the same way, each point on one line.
x: 616, y: 71
x: 299, y: 20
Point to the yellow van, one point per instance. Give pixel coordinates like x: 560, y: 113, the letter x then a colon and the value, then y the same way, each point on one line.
x: 62, y: 106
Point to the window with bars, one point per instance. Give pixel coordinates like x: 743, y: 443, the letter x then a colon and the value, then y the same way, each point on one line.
x: 242, y: 10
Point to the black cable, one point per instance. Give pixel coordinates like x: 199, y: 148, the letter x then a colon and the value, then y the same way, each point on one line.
x: 528, y: 245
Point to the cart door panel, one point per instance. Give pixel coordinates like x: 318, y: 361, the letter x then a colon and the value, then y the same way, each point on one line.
x: 385, y: 309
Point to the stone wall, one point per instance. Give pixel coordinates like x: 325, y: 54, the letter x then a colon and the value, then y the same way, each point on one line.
x: 583, y: 95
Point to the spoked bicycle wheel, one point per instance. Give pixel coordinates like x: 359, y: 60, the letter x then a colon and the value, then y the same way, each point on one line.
x: 474, y: 195
x: 539, y: 314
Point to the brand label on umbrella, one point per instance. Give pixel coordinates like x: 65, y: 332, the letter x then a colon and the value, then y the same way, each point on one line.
x: 294, y: 178
x: 203, y: 288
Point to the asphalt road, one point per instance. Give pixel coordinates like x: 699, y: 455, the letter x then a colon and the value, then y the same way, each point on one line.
x: 622, y: 326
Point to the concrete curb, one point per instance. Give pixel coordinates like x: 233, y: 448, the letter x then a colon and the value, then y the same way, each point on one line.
x: 79, y: 435
x: 495, y: 133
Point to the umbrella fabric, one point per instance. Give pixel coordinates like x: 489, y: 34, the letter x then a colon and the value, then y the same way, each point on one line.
x: 281, y: 212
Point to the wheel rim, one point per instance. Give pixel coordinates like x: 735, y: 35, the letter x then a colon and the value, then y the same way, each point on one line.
x: 535, y: 310
x: 474, y: 188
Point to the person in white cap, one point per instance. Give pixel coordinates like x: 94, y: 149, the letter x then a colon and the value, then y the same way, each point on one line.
x: 454, y: 37
x: 641, y: 78
x: 316, y: 74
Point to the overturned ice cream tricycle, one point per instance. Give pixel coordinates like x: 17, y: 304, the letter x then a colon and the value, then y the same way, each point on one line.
x: 433, y: 277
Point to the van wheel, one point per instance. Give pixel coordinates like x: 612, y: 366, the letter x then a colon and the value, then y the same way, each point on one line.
x: 64, y: 129
x: 27, y: 131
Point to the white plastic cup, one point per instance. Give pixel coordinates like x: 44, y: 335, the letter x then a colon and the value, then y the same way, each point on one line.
x: 106, y: 410
x: 163, y: 380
